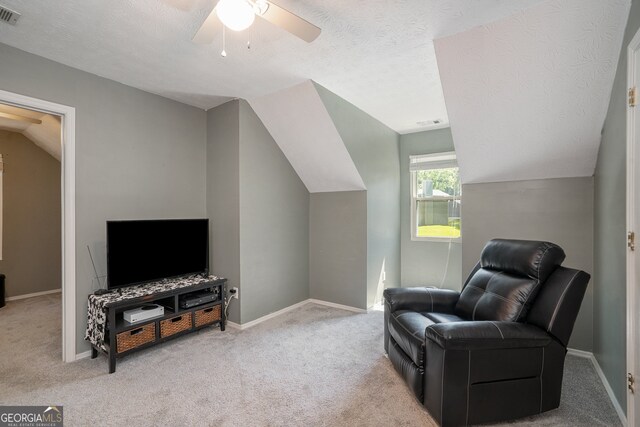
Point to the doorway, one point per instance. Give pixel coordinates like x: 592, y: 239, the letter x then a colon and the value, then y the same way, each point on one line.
x: 67, y: 158
x: 633, y: 228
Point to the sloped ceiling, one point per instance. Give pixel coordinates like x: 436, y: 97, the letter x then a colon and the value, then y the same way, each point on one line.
x: 45, y: 135
x: 526, y: 82
x: 527, y: 95
x: 298, y: 121
x: 376, y: 54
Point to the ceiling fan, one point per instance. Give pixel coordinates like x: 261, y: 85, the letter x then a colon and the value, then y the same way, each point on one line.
x: 238, y: 15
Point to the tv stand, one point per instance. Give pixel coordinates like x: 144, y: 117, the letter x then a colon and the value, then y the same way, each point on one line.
x: 122, y: 338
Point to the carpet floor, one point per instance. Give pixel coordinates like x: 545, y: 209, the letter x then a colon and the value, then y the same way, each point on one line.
x: 313, y: 366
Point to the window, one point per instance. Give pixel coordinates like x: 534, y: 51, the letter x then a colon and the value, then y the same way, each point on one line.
x: 435, y: 197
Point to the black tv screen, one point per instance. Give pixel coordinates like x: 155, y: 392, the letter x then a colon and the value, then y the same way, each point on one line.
x: 148, y: 250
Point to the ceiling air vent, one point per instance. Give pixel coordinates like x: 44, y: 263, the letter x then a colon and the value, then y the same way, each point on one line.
x: 433, y: 122
x: 8, y: 15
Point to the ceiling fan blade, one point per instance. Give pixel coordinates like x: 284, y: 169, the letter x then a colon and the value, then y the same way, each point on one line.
x: 209, y: 29
x: 291, y: 23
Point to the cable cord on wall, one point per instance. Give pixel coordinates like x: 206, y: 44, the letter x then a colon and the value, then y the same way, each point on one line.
x: 227, y: 302
x: 446, y: 266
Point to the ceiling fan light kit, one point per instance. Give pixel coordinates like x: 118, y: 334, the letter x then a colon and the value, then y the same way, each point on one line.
x: 260, y: 7
x: 237, y: 15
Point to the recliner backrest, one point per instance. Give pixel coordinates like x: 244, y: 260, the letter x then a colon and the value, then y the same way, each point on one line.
x: 557, y: 305
x: 508, y: 279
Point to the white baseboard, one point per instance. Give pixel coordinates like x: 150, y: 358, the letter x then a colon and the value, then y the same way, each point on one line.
x: 35, y: 294
x: 264, y: 318
x: 259, y: 320
x: 334, y: 305
x: 234, y: 325
x: 605, y: 382
x: 580, y: 353
x: 83, y: 355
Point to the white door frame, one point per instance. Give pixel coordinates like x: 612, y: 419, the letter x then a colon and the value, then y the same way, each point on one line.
x: 68, y: 183
x: 633, y: 51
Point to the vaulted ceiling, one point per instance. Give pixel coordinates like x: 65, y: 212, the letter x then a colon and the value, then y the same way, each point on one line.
x: 527, y: 95
x: 376, y: 54
x: 42, y: 129
x: 300, y: 124
x: 526, y: 82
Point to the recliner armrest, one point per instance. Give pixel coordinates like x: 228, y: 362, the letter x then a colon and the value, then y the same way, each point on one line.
x: 421, y: 299
x: 484, y: 335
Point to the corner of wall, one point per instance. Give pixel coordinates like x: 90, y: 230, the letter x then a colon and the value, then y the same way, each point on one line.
x: 609, y: 320
x: 274, y: 223
x: 425, y: 263
x: 223, y: 196
x: 374, y: 150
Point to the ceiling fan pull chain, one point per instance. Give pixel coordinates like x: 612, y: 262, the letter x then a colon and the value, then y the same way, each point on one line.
x: 224, y: 43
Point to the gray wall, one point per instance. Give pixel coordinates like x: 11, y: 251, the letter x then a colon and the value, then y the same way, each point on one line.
x: 374, y: 150
x: 259, y: 214
x: 138, y: 155
x: 338, y: 247
x: 274, y: 224
x: 31, y: 237
x: 423, y: 263
x: 223, y: 196
x: 556, y: 210
x: 609, y: 322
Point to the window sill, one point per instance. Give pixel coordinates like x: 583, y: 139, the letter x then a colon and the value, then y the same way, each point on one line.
x: 437, y: 239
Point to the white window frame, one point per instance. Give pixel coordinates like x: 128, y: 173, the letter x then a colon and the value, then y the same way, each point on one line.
x: 428, y: 162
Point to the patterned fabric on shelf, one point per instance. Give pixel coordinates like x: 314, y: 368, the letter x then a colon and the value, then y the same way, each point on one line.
x: 97, y: 304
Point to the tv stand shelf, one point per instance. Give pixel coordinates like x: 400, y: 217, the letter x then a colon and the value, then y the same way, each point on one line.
x: 121, y: 338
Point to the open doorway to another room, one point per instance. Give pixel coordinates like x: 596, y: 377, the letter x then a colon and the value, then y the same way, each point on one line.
x: 31, y: 233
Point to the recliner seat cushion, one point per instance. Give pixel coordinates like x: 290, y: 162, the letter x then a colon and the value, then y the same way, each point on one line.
x: 443, y: 317
x: 508, y: 280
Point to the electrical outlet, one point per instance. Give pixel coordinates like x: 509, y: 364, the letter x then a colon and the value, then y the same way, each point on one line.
x: 235, y: 292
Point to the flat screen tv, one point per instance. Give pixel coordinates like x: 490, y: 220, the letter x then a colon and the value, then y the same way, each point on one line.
x: 147, y: 250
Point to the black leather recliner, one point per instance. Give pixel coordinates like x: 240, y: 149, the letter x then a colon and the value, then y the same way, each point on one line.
x: 494, y: 351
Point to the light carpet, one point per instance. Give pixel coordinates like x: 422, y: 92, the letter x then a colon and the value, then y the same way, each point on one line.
x: 313, y: 366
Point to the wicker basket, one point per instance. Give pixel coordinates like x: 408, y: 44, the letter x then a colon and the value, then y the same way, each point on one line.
x: 175, y: 324
x: 207, y: 315
x: 133, y: 338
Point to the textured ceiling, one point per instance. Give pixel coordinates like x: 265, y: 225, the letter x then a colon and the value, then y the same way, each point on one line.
x: 45, y: 135
x: 298, y: 121
x: 527, y: 95
x: 377, y: 54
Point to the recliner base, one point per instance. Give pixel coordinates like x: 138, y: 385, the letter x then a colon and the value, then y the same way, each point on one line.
x: 462, y: 387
